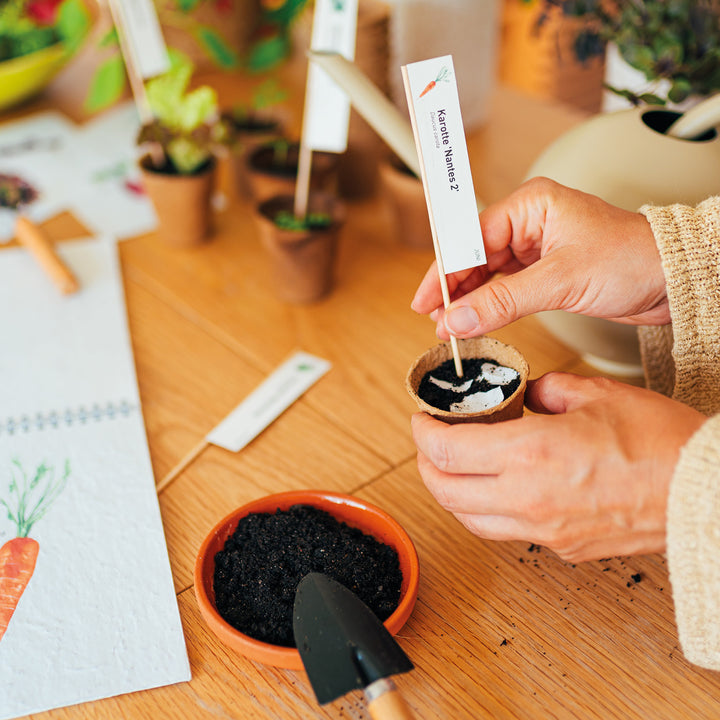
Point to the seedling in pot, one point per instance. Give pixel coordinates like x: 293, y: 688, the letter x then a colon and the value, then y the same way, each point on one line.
x: 186, y: 124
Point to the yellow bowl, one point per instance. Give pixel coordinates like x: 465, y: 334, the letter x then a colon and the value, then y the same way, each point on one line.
x: 25, y: 76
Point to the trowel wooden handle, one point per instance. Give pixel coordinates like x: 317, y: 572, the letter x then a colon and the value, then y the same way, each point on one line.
x: 384, y: 702
x: 40, y: 245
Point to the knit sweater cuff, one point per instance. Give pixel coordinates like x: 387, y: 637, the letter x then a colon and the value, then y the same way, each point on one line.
x: 689, y: 243
x: 693, y: 545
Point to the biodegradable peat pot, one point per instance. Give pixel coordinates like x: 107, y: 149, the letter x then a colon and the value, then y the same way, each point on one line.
x: 357, y: 513
x: 272, y: 170
x: 252, y: 131
x: 302, y: 262
x: 482, y: 347
x: 406, y: 198
x: 182, y: 202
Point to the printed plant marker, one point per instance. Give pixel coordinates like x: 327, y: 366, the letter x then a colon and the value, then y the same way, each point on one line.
x: 271, y: 398
x: 24, y: 508
x: 265, y: 404
x: 440, y: 137
x: 327, y: 107
x: 144, y: 37
x: 445, y: 171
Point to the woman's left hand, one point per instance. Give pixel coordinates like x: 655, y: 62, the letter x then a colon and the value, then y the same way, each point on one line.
x: 588, y: 477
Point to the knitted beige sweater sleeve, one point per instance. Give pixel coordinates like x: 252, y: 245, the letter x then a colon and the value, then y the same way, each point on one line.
x: 683, y: 361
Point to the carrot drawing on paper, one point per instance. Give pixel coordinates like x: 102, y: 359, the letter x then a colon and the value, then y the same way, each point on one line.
x: 443, y: 76
x: 29, y: 500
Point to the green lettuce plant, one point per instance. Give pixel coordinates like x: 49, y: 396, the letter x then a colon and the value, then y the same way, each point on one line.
x: 187, y: 124
x: 673, y: 40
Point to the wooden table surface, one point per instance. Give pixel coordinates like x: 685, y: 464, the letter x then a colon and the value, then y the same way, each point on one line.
x: 500, y: 630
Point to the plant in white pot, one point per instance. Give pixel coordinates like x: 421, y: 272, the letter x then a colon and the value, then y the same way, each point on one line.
x: 673, y: 46
x: 182, y: 140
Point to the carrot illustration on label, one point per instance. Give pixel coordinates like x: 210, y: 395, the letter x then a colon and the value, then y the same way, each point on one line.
x: 443, y: 76
x: 18, y: 555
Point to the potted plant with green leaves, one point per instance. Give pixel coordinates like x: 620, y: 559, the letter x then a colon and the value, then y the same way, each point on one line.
x: 301, y: 248
x: 182, y: 141
x: 254, y: 123
x: 673, y: 47
x: 272, y: 169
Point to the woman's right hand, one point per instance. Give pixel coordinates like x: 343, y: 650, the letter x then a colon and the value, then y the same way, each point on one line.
x: 555, y: 249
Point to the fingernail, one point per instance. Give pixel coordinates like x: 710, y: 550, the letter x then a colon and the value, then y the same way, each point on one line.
x: 462, y: 320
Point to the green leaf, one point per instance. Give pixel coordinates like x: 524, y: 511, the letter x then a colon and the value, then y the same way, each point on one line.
x: 187, y: 5
x: 218, y: 50
x: 186, y: 155
x: 110, y: 39
x: 680, y: 90
x: 651, y: 99
x: 73, y: 23
x: 196, y: 108
x: 268, y: 53
x: 107, y: 85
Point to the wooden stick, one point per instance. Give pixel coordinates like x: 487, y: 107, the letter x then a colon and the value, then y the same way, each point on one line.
x: 302, y: 185
x: 369, y: 101
x: 39, y: 244
x: 157, y: 155
x: 433, y: 229
x: 175, y: 472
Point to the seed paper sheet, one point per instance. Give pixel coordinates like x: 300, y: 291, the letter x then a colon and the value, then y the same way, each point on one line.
x: 99, y: 614
x: 90, y: 170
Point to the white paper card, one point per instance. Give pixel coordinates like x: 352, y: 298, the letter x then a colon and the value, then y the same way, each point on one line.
x: 437, y: 121
x: 99, y: 615
x: 35, y: 151
x: 144, y: 36
x: 280, y: 390
x: 109, y: 198
x: 327, y: 106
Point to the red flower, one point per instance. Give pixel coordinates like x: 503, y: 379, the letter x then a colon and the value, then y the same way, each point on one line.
x: 224, y: 6
x: 43, y: 12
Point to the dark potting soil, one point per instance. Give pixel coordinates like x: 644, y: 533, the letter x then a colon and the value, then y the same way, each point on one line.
x: 442, y: 399
x: 264, y: 560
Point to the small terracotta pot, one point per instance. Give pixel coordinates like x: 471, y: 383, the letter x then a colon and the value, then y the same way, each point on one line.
x: 182, y: 203
x: 302, y: 261
x: 259, y: 129
x: 406, y: 197
x: 481, y: 347
x: 346, y: 508
x: 268, y: 179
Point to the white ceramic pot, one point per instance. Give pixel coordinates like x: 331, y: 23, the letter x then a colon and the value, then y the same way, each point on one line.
x: 624, y: 158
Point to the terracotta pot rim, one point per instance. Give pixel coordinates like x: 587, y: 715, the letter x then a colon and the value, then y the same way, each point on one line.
x: 482, y: 346
x: 355, y: 512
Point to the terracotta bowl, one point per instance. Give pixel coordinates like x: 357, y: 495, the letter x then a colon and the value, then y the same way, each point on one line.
x: 480, y: 347
x: 346, y: 508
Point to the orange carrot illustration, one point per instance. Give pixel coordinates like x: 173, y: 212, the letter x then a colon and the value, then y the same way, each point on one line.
x: 443, y: 76
x: 18, y: 555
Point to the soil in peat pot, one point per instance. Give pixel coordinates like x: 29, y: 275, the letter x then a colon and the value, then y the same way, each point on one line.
x: 485, y: 384
x: 264, y: 560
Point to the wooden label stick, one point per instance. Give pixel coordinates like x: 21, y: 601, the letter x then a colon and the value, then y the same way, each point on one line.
x: 432, y: 97
x: 144, y: 52
x: 326, y: 114
x: 39, y: 244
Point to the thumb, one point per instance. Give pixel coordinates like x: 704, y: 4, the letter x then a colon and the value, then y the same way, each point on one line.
x: 505, y: 299
x: 558, y: 392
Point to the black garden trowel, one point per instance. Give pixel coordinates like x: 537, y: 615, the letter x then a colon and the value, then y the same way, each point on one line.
x: 344, y: 647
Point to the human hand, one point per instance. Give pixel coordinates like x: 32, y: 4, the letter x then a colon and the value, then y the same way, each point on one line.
x: 588, y: 478
x: 556, y: 248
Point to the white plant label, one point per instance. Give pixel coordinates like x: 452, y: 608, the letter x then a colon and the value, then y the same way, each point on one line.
x: 268, y: 401
x: 327, y: 105
x: 434, y: 106
x: 144, y: 37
